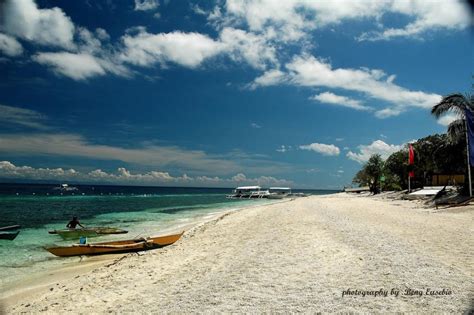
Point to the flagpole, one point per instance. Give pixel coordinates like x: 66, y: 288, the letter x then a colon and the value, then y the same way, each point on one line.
x: 468, y: 159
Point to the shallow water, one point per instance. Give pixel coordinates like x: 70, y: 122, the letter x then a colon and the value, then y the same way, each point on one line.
x: 143, y: 211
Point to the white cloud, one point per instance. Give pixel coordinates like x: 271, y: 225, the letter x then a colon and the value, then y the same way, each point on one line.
x: 23, y: 18
x: 185, y: 49
x: 427, y: 15
x: 294, y: 19
x: 255, y: 125
x: 146, y: 5
x: 268, y: 78
x: 331, y: 98
x: 198, y: 10
x: 283, y: 148
x: 124, y: 176
x: 10, y: 46
x: 448, y: 118
x: 324, y: 149
x: 76, y: 66
x: 389, y: 112
x: 309, y: 71
x: 9, y: 170
x: 10, y: 115
x: 376, y: 147
x: 251, y: 48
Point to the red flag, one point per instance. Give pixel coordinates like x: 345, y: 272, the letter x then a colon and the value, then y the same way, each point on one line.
x: 411, y: 159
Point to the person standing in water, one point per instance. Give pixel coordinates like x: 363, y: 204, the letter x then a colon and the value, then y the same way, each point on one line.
x: 73, y: 223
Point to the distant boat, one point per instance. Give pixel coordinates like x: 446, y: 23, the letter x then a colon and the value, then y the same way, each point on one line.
x: 279, y: 192
x: 66, y: 187
x: 9, y: 235
x: 115, y: 247
x: 248, y: 192
x: 10, y: 227
x: 88, y: 232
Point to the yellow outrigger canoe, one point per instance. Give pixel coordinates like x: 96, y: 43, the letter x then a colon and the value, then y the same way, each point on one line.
x: 115, y: 247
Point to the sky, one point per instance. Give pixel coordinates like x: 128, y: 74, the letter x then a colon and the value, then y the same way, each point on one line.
x: 222, y: 93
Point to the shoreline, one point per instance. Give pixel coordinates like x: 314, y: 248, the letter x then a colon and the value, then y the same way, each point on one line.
x: 298, y: 255
x: 27, y: 286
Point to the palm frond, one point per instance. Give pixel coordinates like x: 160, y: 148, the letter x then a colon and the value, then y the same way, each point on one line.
x: 456, y: 130
x: 456, y: 103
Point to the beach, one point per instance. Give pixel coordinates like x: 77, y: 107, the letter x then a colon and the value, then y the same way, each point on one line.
x: 330, y: 253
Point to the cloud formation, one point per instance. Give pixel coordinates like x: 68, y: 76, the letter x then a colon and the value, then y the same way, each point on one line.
x: 23, y: 117
x: 376, y: 147
x: 324, y: 149
x: 146, y: 5
x: 10, y: 46
x: 144, y: 154
x: 338, y: 100
x: 309, y: 71
x: 186, y: 49
x: 124, y: 176
x: 306, y: 70
x: 23, y: 19
x: 76, y: 66
x: 294, y: 19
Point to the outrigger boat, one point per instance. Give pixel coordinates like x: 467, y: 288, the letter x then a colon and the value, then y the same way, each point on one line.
x: 115, y: 247
x: 9, y: 235
x: 6, y: 232
x: 248, y: 192
x: 279, y: 192
x: 88, y: 232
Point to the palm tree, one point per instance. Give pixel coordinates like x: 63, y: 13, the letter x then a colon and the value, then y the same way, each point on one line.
x: 457, y: 104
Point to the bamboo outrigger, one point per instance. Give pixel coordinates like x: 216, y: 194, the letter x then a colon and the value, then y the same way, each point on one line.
x: 9, y: 228
x: 115, y: 247
x: 88, y: 232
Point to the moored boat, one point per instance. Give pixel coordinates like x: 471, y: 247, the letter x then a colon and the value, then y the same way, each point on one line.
x: 9, y: 235
x: 248, y: 192
x: 279, y: 192
x: 115, y: 247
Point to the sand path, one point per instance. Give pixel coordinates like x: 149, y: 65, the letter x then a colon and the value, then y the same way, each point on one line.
x: 296, y: 256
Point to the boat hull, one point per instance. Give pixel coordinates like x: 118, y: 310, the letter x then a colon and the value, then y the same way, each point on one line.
x: 9, y: 235
x: 114, y: 247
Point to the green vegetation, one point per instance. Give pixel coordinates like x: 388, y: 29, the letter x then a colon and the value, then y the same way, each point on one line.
x: 434, y: 154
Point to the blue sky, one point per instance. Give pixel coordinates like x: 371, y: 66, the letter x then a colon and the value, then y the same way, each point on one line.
x: 222, y: 93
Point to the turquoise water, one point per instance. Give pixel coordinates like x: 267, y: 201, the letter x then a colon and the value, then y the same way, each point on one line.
x: 143, y: 211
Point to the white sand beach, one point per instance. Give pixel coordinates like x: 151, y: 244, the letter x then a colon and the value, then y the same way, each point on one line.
x: 295, y: 256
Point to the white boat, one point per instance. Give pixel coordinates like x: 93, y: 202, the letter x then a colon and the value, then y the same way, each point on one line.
x: 248, y: 192
x: 279, y: 192
x: 66, y: 187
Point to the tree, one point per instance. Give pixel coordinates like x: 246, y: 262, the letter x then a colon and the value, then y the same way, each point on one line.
x: 457, y: 104
x: 371, y: 173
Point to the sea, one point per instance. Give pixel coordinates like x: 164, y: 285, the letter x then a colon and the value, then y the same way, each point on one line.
x: 142, y: 211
